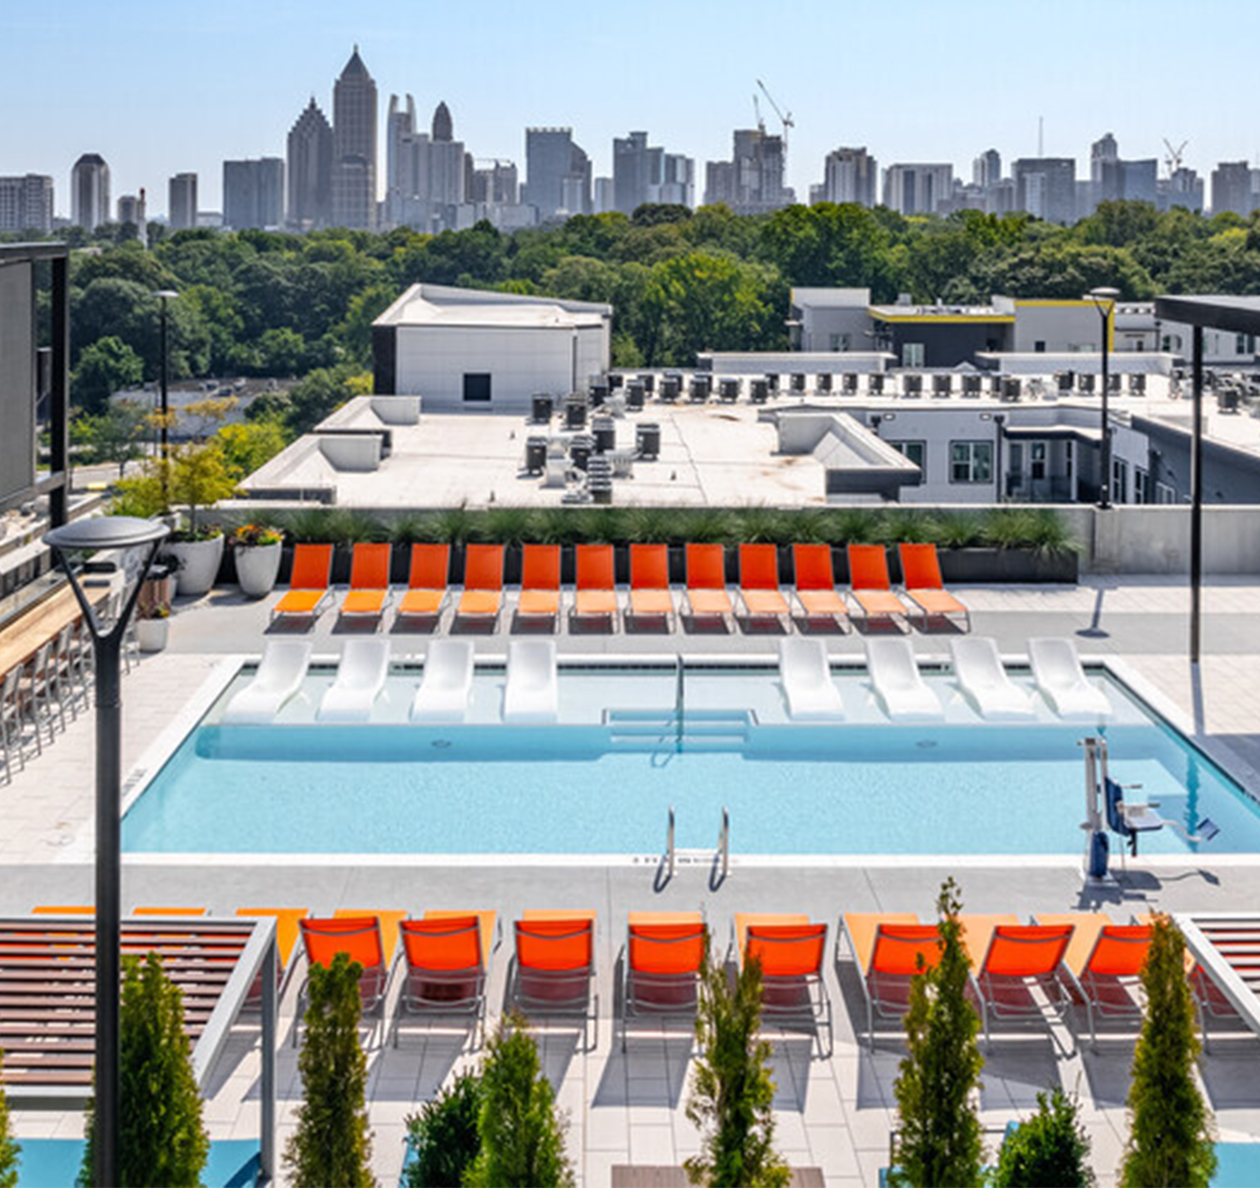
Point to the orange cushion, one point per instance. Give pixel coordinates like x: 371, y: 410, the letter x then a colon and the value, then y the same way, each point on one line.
x: 765, y: 602
x: 299, y: 602
x: 651, y: 602
x: 822, y: 602
x: 364, y: 602
x: 709, y: 602
x: 421, y: 602
x: 538, y: 602
x: 879, y: 602
x: 479, y: 602
x: 937, y: 602
x: 596, y: 602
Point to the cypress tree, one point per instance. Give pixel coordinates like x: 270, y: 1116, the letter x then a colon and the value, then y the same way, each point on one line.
x: 939, y: 1143
x: 9, y: 1150
x: 732, y: 1093
x: 1048, y: 1150
x: 444, y: 1135
x: 332, y: 1144
x: 1170, y: 1126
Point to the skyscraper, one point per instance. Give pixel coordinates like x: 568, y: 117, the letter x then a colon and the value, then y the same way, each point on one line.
x: 1046, y: 187
x: 26, y: 203
x: 849, y: 175
x: 557, y: 173
x: 1231, y: 188
x: 752, y: 181
x: 986, y: 169
x: 446, y: 161
x: 253, y: 193
x: 918, y: 189
x: 644, y: 173
x: 427, y: 173
x: 131, y: 209
x: 181, y: 202
x: 310, y: 161
x: 89, y: 192
x: 354, y: 147
x: 496, y: 183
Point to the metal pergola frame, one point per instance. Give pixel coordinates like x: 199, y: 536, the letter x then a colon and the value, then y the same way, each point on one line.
x: 1202, y: 932
x: 1239, y: 315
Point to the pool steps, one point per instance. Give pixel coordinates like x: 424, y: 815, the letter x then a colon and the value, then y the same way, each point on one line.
x: 649, y: 729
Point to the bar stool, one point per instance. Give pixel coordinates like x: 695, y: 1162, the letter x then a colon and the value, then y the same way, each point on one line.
x: 37, y: 695
x: 11, y: 720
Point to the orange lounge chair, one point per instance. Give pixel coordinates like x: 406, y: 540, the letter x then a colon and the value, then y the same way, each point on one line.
x: 369, y: 582
x: 427, y: 582
x: 483, y: 583
x: 554, y: 970
x: 1104, y: 961
x: 1022, y: 968
x: 889, y: 948
x: 872, y: 591
x: 816, y: 583
x: 790, y: 949
x: 759, y: 583
x: 706, y: 583
x: 664, y: 951
x: 359, y: 937
x: 921, y: 577
x: 650, y: 596
x: 540, y: 582
x: 447, y: 962
x: 596, y: 594
x: 308, y: 584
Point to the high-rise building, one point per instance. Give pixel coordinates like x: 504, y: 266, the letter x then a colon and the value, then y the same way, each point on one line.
x: 918, y: 189
x: 26, y: 203
x: 354, y: 147
x: 1232, y: 189
x: 132, y: 209
x: 181, y: 202
x: 496, y: 183
x: 253, y: 193
x: 752, y: 181
x: 428, y: 174
x: 557, y: 173
x: 644, y: 173
x: 1112, y: 179
x: 849, y: 175
x: 1183, y: 187
x: 310, y: 167
x: 446, y: 161
x: 89, y: 192
x: 1046, y: 187
x: 986, y: 169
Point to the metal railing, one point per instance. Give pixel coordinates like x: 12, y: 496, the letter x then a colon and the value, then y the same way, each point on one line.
x: 724, y: 843
x: 679, y: 691
x: 669, y: 846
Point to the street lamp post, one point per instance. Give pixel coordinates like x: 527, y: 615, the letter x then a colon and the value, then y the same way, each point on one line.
x: 164, y: 295
x: 137, y: 540
x: 1105, y: 302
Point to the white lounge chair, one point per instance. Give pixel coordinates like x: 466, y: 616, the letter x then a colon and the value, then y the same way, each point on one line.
x: 279, y: 677
x: 898, y: 684
x: 447, y: 683
x: 533, y: 688
x: 812, y: 695
x: 983, y: 678
x: 360, y: 679
x: 1058, y: 674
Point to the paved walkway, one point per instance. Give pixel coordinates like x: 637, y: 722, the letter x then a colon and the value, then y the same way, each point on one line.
x: 834, y: 1113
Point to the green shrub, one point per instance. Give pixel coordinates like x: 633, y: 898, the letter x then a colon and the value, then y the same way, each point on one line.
x: 1049, y: 534
x: 9, y: 1149
x: 444, y: 1135
x: 309, y: 525
x: 413, y: 527
x: 162, y: 1138
x: 1048, y: 1150
x: 457, y: 525
x: 332, y: 1144
x: 898, y: 524
x: 764, y: 525
x: 959, y: 530
x: 509, y: 525
x: 939, y: 1137
x: 1010, y: 527
x: 1170, y: 1126
x: 344, y: 525
x: 852, y: 525
x: 522, y: 1137
x: 732, y: 1093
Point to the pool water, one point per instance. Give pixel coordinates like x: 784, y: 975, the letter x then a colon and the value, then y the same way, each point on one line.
x: 606, y: 787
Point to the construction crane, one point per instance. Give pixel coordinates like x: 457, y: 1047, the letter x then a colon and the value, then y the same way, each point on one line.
x: 786, y: 120
x: 761, y: 124
x: 1175, y: 155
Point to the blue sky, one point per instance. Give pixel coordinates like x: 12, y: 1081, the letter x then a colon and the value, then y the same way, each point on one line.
x: 161, y: 87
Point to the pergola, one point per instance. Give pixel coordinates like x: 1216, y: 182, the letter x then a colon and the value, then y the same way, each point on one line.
x: 1240, y: 315
x: 1228, y: 947
x: 48, y: 999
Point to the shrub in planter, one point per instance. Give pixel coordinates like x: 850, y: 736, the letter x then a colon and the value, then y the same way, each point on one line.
x: 1049, y: 1150
x: 444, y: 1136
x: 9, y: 1150
x: 256, y: 552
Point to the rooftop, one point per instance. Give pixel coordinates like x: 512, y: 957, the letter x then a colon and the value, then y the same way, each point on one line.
x: 439, y: 305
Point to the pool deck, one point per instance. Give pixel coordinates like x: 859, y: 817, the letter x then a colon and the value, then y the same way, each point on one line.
x: 832, y: 1113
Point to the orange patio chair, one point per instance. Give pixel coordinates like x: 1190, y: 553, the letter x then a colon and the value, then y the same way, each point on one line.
x: 872, y: 590
x: 447, y: 961
x: 816, y: 584
x: 706, y: 582
x: 427, y: 581
x: 369, y: 582
x: 308, y: 584
x: 554, y: 970
x: 664, y: 951
x: 359, y: 937
x: 921, y: 577
x: 790, y: 949
x: 759, y: 583
x: 1104, y: 961
x: 596, y: 595
x: 650, y: 596
x: 540, y: 582
x: 889, y: 949
x: 1022, y: 971
x: 483, y: 583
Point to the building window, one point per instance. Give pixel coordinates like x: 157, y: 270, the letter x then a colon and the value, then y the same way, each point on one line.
x: 1069, y: 458
x: 476, y: 387
x: 1164, y: 493
x: 1172, y: 342
x: 1245, y: 344
x: 1039, y: 347
x: 1119, y: 481
x: 840, y: 342
x: 970, y: 461
x: 912, y: 354
x: 916, y: 451
x: 1037, y: 451
x: 1141, y: 485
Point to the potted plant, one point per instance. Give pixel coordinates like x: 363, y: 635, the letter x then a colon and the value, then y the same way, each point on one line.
x: 153, y: 628
x: 198, y: 477
x: 256, y: 550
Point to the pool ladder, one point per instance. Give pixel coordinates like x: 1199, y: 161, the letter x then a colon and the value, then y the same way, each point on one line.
x: 721, y: 858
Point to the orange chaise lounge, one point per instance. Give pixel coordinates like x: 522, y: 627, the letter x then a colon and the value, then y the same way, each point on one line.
x: 447, y: 962
x: 707, y: 598
x: 759, y: 583
x: 360, y: 938
x: 554, y: 971
x: 650, y: 595
x: 427, y: 582
x: 816, y: 584
x: 791, y: 950
x: 540, y: 583
x: 664, y: 951
x: 921, y: 577
x: 482, y: 596
x: 596, y: 594
x: 369, y: 582
x: 889, y: 948
x: 872, y: 589
x: 308, y: 585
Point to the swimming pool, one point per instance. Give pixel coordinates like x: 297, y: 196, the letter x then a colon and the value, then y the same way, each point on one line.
x: 602, y: 782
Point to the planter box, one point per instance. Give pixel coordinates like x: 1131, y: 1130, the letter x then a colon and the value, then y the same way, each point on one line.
x: 1013, y: 566
x: 152, y: 634
x: 256, y: 568
x: 199, y: 564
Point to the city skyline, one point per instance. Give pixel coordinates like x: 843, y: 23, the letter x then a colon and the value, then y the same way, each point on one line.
x: 228, y: 95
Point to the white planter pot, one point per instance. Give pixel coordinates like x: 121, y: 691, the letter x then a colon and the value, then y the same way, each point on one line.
x: 199, y: 564
x: 151, y: 634
x: 256, y: 568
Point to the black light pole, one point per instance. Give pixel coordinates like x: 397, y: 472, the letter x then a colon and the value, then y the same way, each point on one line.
x: 999, y: 420
x: 164, y: 295
x: 1196, y: 495
x: 138, y: 541
x: 1105, y: 302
